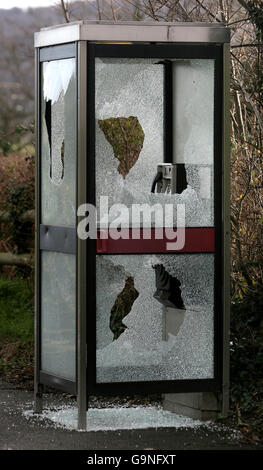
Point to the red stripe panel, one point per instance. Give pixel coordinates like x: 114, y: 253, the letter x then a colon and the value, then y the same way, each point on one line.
x: 197, y: 240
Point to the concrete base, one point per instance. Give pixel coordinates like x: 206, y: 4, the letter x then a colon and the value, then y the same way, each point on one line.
x: 203, y: 406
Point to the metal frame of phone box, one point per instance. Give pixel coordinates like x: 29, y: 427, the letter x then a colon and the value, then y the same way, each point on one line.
x: 85, y: 53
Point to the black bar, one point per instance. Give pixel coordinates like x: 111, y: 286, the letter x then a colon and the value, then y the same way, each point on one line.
x: 167, y: 51
x: 218, y: 211
x: 168, y: 111
x: 65, y: 51
x: 60, y: 239
x: 149, y: 387
x: 58, y: 382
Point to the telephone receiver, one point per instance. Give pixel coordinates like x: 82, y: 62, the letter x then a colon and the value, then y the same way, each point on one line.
x: 170, y: 178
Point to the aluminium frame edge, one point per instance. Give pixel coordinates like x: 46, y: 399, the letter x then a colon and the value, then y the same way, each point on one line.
x: 164, y: 32
x: 41, y: 377
x: 38, y: 387
x: 81, y: 244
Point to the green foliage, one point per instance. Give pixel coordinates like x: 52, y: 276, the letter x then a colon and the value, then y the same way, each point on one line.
x: 257, y: 16
x: 246, y: 355
x: 10, y: 140
x: 16, y: 310
x: 17, y: 331
x: 5, y: 145
x: 20, y: 199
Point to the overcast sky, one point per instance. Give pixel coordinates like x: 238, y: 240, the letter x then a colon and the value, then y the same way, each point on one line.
x: 6, y: 4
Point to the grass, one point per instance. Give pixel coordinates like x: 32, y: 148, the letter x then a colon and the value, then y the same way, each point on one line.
x: 16, y: 331
x: 16, y: 310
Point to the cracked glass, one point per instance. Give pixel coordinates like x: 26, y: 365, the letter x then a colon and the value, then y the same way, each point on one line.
x: 155, y: 313
x: 58, y: 208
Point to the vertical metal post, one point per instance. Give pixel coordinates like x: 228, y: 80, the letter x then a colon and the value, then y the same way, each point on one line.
x: 226, y: 227
x: 81, y: 244
x: 38, y: 388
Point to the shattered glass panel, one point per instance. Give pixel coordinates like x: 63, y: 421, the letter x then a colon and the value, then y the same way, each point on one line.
x: 193, y: 96
x: 58, y: 328
x: 129, y: 105
x: 129, y: 134
x: 58, y: 142
x: 165, y: 329
x: 58, y: 207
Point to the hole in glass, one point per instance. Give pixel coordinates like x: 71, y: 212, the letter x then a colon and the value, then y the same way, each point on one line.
x: 122, y: 306
x: 48, y: 125
x: 168, y: 290
x: 126, y: 137
x: 62, y: 158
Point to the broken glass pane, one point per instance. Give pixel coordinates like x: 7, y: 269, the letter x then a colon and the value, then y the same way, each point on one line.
x: 193, y: 97
x: 58, y: 207
x: 58, y: 329
x: 58, y: 142
x: 56, y: 78
x: 130, y: 92
x: 157, y: 342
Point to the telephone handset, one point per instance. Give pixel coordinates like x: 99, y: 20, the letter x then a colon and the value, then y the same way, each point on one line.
x: 170, y: 178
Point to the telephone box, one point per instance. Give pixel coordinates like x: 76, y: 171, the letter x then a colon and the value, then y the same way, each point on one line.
x: 132, y: 128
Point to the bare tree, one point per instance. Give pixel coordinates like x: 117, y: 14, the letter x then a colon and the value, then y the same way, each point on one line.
x: 64, y: 7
